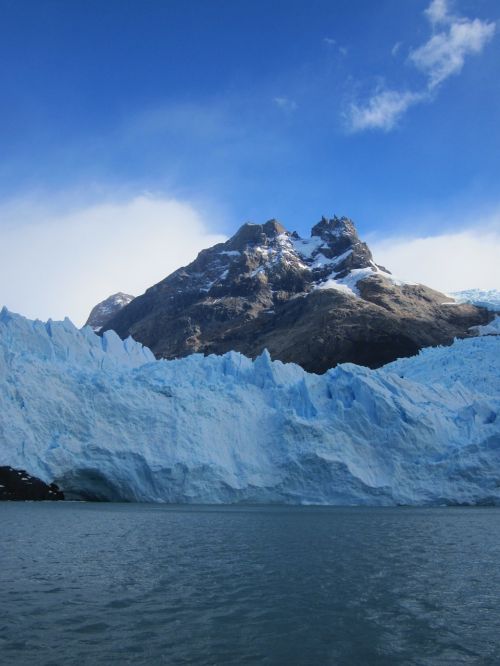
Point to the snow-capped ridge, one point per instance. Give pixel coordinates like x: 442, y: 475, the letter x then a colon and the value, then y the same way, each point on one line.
x: 258, y: 250
x: 316, y: 301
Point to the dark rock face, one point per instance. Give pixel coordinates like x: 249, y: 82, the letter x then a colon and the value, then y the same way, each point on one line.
x: 16, y: 484
x: 103, y: 311
x: 340, y: 237
x: 316, y: 302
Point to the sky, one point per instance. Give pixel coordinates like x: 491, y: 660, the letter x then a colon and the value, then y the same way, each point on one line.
x: 133, y: 133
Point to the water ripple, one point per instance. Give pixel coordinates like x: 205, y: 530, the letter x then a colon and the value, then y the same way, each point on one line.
x: 137, y: 584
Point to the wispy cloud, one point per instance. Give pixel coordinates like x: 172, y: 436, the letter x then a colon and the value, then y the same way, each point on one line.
x: 444, y: 54
x: 332, y: 44
x: 382, y: 111
x: 56, y: 262
x: 285, y: 103
x: 396, y: 48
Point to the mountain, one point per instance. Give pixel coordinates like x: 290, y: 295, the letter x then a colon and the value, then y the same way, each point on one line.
x: 103, y: 311
x: 316, y: 302
x: 103, y: 419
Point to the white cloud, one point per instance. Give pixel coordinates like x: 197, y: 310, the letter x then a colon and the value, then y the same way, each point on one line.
x: 439, y: 58
x: 445, y: 52
x: 448, y: 262
x: 55, y: 263
x: 285, y: 103
x: 396, y: 48
x: 382, y: 111
x: 438, y: 12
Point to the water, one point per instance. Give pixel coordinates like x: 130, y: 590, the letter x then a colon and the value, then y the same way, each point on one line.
x: 147, y: 584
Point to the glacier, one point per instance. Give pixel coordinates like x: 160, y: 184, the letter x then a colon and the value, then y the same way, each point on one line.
x: 485, y: 298
x: 106, y: 421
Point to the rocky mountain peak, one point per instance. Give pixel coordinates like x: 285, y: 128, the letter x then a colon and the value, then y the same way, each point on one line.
x: 103, y: 311
x: 273, y: 228
x: 340, y: 240
x: 254, y: 234
x: 337, y: 227
x: 339, y: 233
x: 317, y: 301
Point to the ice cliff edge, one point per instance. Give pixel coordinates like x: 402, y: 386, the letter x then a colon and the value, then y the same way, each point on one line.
x: 105, y: 420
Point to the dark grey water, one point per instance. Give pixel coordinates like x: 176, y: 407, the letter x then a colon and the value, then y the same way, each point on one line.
x: 147, y: 584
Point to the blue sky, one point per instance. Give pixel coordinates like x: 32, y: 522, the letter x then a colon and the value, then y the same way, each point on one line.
x: 386, y: 111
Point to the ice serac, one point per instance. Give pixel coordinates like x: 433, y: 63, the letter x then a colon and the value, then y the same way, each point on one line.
x: 314, y: 301
x: 104, y: 420
x: 103, y: 311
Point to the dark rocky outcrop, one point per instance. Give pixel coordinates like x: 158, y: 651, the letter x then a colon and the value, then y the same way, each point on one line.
x: 316, y: 302
x: 17, y: 484
x: 103, y: 311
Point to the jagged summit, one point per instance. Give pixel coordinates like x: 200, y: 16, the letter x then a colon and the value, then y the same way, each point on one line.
x: 255, y: 234
x: 340, y: 227
x: 268, y: 259
x: 268, y: 252
x: 315, y: 301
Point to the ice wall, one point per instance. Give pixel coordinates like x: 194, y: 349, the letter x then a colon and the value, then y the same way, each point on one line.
x: 105, y: 420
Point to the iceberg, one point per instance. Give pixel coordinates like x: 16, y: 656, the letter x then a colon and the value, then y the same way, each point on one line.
x: 106, y: 421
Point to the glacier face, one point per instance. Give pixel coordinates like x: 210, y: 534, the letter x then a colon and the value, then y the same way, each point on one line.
x: 485, y: 298
x: 105, y: 420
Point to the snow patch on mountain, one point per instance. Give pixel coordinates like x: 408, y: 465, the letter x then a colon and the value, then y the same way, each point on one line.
x: 349, y: 283
x: 105, y: 420
x: 308, y: 248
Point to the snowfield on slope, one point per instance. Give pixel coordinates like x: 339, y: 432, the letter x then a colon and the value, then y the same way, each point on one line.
x: 105, y: 420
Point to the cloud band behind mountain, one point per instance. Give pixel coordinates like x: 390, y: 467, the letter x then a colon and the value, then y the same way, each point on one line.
x: 447, y: 262
x: 57, y: 264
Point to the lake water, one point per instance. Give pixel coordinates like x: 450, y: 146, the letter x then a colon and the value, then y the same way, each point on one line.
x: 148, y: 584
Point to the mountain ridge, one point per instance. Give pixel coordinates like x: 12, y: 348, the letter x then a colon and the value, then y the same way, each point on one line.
x: 315, y: 301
